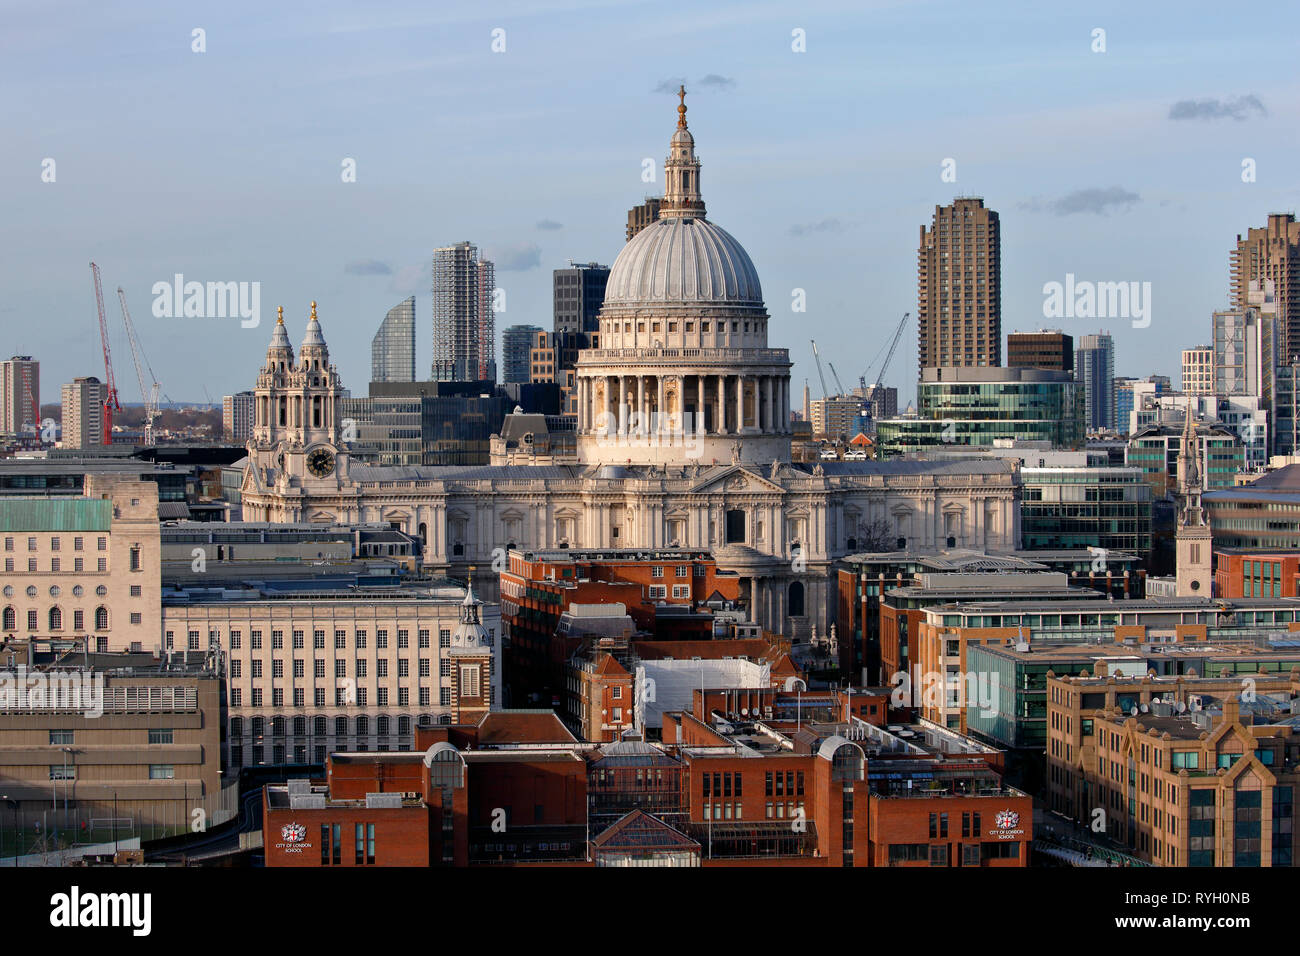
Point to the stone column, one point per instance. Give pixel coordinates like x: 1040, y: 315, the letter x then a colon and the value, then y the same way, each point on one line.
x: 640, y: 403
x: 722, y: 406
x: 767, y: 404
x: 621, y: 411
x: 740, y: 404
x: 699, y: 405
x: 659, y: 407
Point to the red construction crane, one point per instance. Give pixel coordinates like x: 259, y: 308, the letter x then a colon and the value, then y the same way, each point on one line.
x: 110, y: 396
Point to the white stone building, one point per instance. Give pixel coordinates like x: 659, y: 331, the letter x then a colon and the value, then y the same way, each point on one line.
x: 683, y: 439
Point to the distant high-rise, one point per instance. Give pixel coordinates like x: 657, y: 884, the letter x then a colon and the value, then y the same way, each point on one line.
x: 464, y: 326
x: 1094, y: 366
x: 638, y: 217
x: 20, y: 394
x: 516, y: 349
x: 392, y: 350
x: 237, y: 416
x: 1046, y: 348
x: 83, y: 412
x: 579, y: 292
x: 959, y: 287
x: 1198, y: 370
x: 1246, y: 353
x: 1272, y: 252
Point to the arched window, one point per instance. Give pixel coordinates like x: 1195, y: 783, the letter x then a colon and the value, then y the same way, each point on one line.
x: 56, y: 618
x: 277, y: 726
x: 340, y: 726
x: 10, y: 619
x: 101, y: 618
x: 320, y: 726
x: 300, y: 726
x: 796, y: 599
x: 363, y: 726
x: 236, y: 726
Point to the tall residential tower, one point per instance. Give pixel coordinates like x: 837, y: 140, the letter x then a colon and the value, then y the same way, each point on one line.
x: 959, y: 287
x: 464, y: 326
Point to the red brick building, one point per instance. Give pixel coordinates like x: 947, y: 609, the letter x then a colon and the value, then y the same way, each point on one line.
x: 1243, y: 574
x: 518, y: 789
x: 537, y: 587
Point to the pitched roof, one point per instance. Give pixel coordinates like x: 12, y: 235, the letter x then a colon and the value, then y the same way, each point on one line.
x: 639, y: 830
x: 523, y: 727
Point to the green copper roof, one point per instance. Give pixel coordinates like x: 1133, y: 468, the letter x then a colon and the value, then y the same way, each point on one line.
x: 55, y: 514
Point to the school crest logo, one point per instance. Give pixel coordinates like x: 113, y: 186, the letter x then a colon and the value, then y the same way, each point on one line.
x: 1007, y: 819
x: 293, y: 833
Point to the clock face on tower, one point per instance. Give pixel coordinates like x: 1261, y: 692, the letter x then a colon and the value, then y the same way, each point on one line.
x: 320, y: 462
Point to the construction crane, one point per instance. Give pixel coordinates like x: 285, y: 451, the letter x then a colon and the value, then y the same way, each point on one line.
x: 893, y: 344
x: 820, y: 374
x: 893, y: 347
x: 148, y: 392
x: 836, y: 376
x: 110, y: 383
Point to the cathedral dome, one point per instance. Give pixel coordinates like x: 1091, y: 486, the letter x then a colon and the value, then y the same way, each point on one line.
x: 683, y: 261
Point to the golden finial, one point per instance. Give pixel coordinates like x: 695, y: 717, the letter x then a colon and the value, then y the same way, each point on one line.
x: 313, y: 310
x: 280, y: 312
x: 681, y: 108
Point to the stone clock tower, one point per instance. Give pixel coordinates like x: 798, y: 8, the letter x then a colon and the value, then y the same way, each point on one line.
x: 295, y: 448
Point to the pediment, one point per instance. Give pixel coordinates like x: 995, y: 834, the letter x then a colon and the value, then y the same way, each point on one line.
x: 737, y: 480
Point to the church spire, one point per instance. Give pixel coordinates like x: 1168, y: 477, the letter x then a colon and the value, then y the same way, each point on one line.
x: 1189, y: 472
x: 682, y: 199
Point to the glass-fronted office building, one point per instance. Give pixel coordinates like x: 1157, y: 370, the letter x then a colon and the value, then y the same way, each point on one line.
x: 1106, y: 508
x: 976, y: 406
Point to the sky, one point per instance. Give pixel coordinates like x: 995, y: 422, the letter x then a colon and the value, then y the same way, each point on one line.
x: 228, y: 164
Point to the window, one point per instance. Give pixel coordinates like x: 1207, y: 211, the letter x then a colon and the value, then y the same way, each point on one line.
x: 60, y: 738
x: 161, y: 736
x: 161, y: 771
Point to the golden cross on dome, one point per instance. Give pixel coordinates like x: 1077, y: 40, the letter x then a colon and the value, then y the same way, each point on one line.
x: 280, y: 311
x: 313, y: 310
x: 681, y: 108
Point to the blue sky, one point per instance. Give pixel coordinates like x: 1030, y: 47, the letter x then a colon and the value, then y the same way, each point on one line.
x: 225, y: 165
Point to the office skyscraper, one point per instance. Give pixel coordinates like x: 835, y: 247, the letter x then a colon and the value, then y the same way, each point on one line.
x: 579, y: 292
x: 20, y: 394
x: 392, y: 350
x: 959, y: 287
x: 1094, y: 366
x: 464, y: 327
x: 1272, y: 252
x: 516, y: 347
